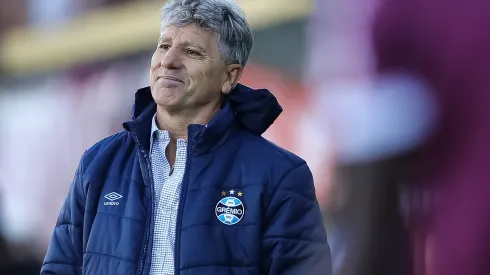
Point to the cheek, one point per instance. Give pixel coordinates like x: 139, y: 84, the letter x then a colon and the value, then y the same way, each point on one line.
x: 154, y: 59
x: 198, y: 79
x: 155, y: 63
x: 215, y: 75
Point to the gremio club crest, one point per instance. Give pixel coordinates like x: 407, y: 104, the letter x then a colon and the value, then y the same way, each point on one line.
x: 230, y: 209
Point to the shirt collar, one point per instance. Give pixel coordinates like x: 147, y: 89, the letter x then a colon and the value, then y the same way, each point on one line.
x: 154, y: 126
x: 162, y: 134
x: 154, y: 129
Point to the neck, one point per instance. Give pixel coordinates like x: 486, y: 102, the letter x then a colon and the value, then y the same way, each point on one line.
x: 176, y: 122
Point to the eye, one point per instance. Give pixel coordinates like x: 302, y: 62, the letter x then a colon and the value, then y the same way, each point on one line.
x: 164, y: 46
x: 192, y: 52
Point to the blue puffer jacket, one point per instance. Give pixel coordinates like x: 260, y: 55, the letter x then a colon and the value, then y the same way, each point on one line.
x: 271, y: 225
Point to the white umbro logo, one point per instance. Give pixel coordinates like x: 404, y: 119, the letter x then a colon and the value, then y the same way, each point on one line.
x: 113, y: 196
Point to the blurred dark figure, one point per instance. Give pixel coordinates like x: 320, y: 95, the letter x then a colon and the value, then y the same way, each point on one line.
x: 16, y: 261
x: 446, y: 45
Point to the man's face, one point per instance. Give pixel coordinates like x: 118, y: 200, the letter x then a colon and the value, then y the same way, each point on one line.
x: 187, y: 70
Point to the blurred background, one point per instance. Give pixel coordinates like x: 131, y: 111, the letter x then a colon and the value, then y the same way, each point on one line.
x: 363, y: 104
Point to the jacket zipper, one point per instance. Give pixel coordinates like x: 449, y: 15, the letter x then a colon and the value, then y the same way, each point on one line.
x: 147, y: 172
x: 150, y: 213
x: 183, y: 194
x: 150, y: 210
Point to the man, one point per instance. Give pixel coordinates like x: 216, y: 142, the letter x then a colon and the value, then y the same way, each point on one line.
x: 190, y: 186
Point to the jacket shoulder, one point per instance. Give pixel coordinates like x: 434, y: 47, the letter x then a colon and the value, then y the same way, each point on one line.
x: 268, y: 157
x: 276, y: 167
x: 273, y: 152
x: 105, y: 146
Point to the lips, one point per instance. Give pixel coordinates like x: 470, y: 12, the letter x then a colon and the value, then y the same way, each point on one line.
x: 171, y: 78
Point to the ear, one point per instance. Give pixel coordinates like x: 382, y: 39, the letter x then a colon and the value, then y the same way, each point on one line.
x: 233, y: 72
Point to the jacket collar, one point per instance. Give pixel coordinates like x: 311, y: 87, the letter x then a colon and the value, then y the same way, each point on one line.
x: 243, y: 107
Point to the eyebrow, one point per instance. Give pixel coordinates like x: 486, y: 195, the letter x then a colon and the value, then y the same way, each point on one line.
x: 184, y: 44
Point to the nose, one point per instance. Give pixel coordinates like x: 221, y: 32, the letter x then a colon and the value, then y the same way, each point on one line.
x: 171, y: 59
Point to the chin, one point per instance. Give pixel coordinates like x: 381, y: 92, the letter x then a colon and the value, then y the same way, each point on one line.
x: 164, y: 94
x: 170, y: 103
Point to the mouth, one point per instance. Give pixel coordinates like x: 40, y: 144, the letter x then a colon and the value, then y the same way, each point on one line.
x: 171, y: 78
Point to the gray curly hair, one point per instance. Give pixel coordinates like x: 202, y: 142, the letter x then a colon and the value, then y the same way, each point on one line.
x: 224, y: 17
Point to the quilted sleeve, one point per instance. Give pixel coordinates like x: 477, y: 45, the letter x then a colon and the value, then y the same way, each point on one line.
x: 295, y: 240
x: 64, y: 255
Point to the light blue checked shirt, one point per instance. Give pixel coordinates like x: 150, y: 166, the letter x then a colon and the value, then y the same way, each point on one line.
x: 167, y: 196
